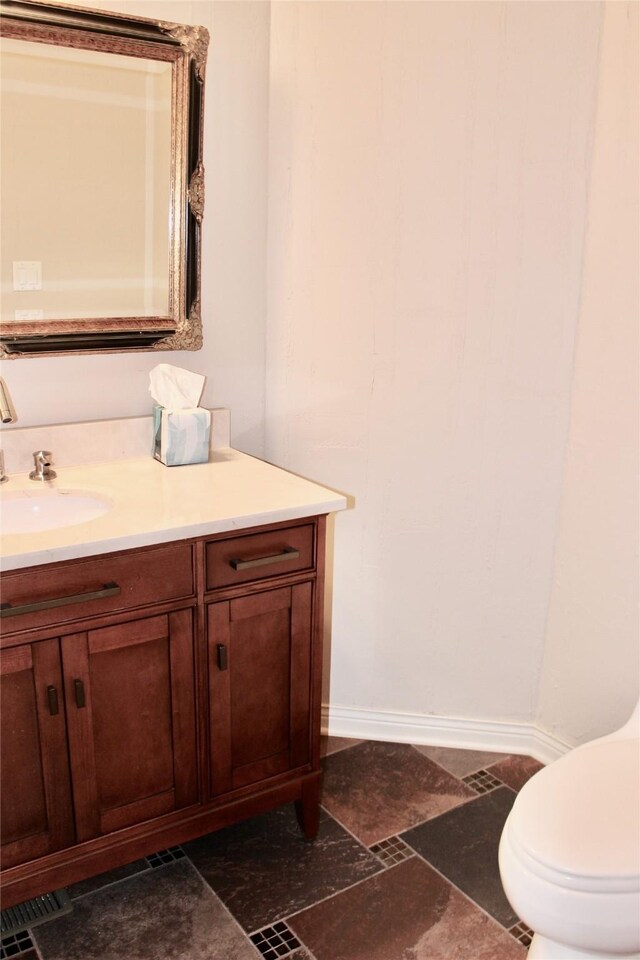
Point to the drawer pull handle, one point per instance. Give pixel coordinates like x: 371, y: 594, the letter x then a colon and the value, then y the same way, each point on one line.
x: 52, y: 697
x: 78, y: 689
x: 289, y: 553
x: 223, y: 658
x: 109, y: 590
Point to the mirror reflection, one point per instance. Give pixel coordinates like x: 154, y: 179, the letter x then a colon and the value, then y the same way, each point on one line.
x: 89, y: 152
x: 102, y: 181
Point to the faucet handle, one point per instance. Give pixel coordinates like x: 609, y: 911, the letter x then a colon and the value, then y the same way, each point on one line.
x: 3, y: 476
x: 42, y: 469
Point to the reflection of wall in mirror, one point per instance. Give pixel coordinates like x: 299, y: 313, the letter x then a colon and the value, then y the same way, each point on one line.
x: 85, y: 171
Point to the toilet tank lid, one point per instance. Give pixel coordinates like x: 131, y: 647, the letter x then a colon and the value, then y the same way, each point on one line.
x: 580, y: 816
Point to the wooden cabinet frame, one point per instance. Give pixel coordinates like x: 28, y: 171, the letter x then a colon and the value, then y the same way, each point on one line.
x: 259, y: 650
x: 32, y: 682
x: 83, y: 835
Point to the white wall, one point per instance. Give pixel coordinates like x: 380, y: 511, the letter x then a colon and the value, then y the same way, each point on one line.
x: 428, y: 168
x: 59, y: 390
x: 592, y: 663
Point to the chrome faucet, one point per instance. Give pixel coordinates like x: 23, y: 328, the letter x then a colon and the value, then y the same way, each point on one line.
x: 42, y: 469
x: 6, y: 416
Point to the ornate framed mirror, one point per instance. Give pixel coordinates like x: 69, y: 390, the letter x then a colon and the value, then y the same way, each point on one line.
x: 102, y: 181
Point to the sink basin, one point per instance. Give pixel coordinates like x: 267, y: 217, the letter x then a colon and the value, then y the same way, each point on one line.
x: 30, y: 512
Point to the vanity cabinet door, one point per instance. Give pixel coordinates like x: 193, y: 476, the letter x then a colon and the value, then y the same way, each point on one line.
x: 35, y: 802
x: 130, y: 693
x: 259, y: 650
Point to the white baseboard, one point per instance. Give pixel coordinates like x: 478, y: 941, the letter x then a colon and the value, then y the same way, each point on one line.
x: 465, y: 734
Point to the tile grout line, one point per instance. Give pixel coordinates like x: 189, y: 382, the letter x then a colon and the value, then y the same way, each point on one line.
x: 114, y: 883
x: 433, y: 867
x: 382, y: 868
x: 465, y: 895
x: 105, y: 886
x: 312, y: 955
x: 222, y: 903
x: 286, y: 917
x: 416, y: 746
x: 360, y: 842
x: 301, y: 943
x: 386, y: 869
x: 34, y: 945
x: 464, y: 802
x: 487, y: 769
x: 413, y: 826
x: 332, y: 896
x: 89, y: 893
x: 352, y: 886
x: 348, y: 746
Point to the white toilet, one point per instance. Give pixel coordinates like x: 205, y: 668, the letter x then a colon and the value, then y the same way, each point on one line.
x: 570, y: 851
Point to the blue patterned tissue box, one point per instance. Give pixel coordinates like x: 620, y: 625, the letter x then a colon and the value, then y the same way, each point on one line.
x: 181, y: 436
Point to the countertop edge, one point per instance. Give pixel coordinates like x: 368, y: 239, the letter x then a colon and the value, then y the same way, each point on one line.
x: 151, y: 538
x: 243, y: 492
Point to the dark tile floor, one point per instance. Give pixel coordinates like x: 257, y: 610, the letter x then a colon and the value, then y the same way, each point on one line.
x: 405, y: 866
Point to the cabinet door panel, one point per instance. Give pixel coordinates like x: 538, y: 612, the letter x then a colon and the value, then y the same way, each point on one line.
x: 132, y: 730
x: 35, y: 804
x: 260, y: 709
x: 259, y: 689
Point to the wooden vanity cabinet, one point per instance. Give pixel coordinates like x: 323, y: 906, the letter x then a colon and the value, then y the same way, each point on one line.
x: 174, y: 690
x: 98, y: 733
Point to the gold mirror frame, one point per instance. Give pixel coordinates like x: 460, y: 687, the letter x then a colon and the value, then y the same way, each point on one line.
x: 185, y: 47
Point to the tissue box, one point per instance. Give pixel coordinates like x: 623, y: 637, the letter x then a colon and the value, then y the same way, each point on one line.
x: 181, y: 436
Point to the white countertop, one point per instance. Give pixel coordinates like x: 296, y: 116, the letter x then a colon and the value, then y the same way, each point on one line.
x: 152, y: 504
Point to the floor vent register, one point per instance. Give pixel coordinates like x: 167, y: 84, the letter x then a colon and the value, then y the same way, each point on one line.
x: 32, y: 912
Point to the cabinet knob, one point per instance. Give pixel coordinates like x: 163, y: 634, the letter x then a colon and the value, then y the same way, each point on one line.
x: 52, y: 699
x: 78, y: 689
x: 223, y: 658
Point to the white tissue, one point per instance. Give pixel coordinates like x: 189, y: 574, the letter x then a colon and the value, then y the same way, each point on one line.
x: 174, y: 388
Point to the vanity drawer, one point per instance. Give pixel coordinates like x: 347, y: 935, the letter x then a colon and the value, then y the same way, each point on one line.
x: 258, y: 556
x: 48, y: 596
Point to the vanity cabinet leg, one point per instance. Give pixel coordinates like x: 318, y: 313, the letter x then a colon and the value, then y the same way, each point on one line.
x: 308, y: 807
